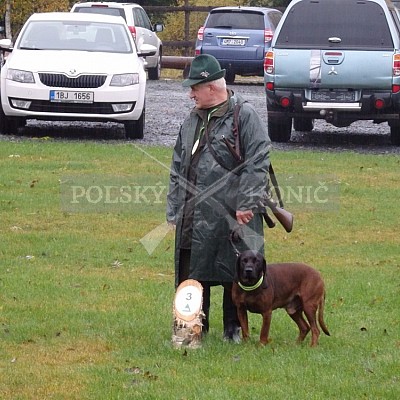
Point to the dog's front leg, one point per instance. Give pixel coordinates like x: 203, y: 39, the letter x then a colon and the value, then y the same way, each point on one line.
x: 267, y: 315
x: 244, y: 322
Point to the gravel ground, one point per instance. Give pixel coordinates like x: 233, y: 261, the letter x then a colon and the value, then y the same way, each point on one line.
x: 167, y: 103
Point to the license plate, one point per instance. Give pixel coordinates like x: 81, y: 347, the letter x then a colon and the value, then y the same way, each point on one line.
x: 233, y: 42
x: 65, y: 96
x: 332, y: 96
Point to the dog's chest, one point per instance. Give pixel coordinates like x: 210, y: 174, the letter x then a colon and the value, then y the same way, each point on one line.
x: 256, y: 302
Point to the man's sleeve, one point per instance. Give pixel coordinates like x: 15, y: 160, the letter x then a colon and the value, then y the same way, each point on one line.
x: 173, y: 192
x: 255, y: 145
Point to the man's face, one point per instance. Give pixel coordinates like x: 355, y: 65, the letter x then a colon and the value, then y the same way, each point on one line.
x: 202, y: 95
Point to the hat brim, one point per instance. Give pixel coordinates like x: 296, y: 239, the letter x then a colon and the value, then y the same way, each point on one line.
x: 210, y: 78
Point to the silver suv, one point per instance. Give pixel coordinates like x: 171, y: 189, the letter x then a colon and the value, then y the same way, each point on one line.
x: 139, y: 24
x: 337, y: 60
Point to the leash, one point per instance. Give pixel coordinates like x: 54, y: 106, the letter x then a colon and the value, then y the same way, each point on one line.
x: 235, y: 237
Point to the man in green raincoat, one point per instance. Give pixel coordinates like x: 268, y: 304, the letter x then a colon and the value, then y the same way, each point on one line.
x: 216, y: 183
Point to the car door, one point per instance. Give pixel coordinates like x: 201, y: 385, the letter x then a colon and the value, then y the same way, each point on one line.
x: 145, y: 34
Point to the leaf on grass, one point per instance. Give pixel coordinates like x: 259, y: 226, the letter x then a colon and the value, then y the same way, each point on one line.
x: 133, y: 370
x: 117, y: 264
x: 150, y: 376
x: 139, y: 371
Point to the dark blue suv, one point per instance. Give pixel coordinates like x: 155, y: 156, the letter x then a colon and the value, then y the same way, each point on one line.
x: 238, y: 37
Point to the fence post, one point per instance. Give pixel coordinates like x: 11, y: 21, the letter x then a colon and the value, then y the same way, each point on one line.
x: 187, y: 27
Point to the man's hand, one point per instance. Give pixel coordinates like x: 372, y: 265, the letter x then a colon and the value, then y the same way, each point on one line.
x: 171, y: 225
x: 243, y: 217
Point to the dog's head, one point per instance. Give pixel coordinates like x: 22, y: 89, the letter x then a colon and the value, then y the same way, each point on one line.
x: 250, y: 267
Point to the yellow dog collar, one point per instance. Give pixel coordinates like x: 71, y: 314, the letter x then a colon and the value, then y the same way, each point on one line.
x: 254, y: 287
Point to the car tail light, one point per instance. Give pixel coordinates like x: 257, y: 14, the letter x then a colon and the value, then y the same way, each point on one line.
x: 285, y: 102
x: 268, y: 35
x: 396, y: 65
x: 132, y: 29
x: 269, y: 62
x: 200, y: 33
x: 197, y: 52
x: 395, y: 88
x: 379, y: 104
x: 270, y: 86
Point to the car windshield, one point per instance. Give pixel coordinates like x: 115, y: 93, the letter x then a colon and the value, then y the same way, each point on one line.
x: 101, y: 10
x: 75, y: 35
x: 357, y: 24
x: 236, y: 20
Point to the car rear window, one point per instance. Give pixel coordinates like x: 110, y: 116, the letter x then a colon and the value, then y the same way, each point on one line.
x: 236, y: 20
x: 311, y: 23
x: 117, y: 12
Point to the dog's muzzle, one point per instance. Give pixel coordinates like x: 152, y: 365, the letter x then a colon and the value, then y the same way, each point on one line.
x: 248, y: 272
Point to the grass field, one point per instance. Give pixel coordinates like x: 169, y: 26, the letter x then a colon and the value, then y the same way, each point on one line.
x: 86, y: 311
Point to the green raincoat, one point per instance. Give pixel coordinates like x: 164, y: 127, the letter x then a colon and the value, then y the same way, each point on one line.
x: 219, y: 190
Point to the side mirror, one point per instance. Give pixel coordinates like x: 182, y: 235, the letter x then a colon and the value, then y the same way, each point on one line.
x: 146, y: 50
x: 158, y: 27
x: 5, y: 44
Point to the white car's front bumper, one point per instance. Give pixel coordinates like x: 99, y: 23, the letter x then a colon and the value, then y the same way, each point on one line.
x: 100, y: 109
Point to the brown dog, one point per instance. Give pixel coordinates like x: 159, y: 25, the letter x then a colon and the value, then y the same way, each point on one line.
x: 260, y: 289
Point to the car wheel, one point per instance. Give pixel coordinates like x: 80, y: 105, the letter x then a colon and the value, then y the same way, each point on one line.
x: 303, y: 124
x: 135, y: 129
x: 229, y: 76
x: 280, y: 129
x: 395, y: 135
x: 155, y: 73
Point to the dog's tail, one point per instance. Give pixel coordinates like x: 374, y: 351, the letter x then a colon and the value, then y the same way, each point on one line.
x: 321, y: 316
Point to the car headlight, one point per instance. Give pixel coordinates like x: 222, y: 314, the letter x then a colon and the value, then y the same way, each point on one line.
x: 125, y: 80
x: 20, y: 76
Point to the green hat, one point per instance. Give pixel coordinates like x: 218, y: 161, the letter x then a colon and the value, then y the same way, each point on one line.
x: 204, y: 68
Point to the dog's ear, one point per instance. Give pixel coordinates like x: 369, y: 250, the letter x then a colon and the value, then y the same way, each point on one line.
x: 264, y: 262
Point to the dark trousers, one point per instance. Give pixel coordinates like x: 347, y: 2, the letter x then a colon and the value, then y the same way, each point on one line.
x: 230, y: 317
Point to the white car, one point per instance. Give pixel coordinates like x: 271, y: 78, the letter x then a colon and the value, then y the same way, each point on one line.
x: 78, y: 67
x: 143, y: 31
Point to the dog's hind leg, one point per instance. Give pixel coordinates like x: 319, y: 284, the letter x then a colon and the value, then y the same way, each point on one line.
x: 295, y: 310
x: 311, y: 313
x: 304, y: 328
